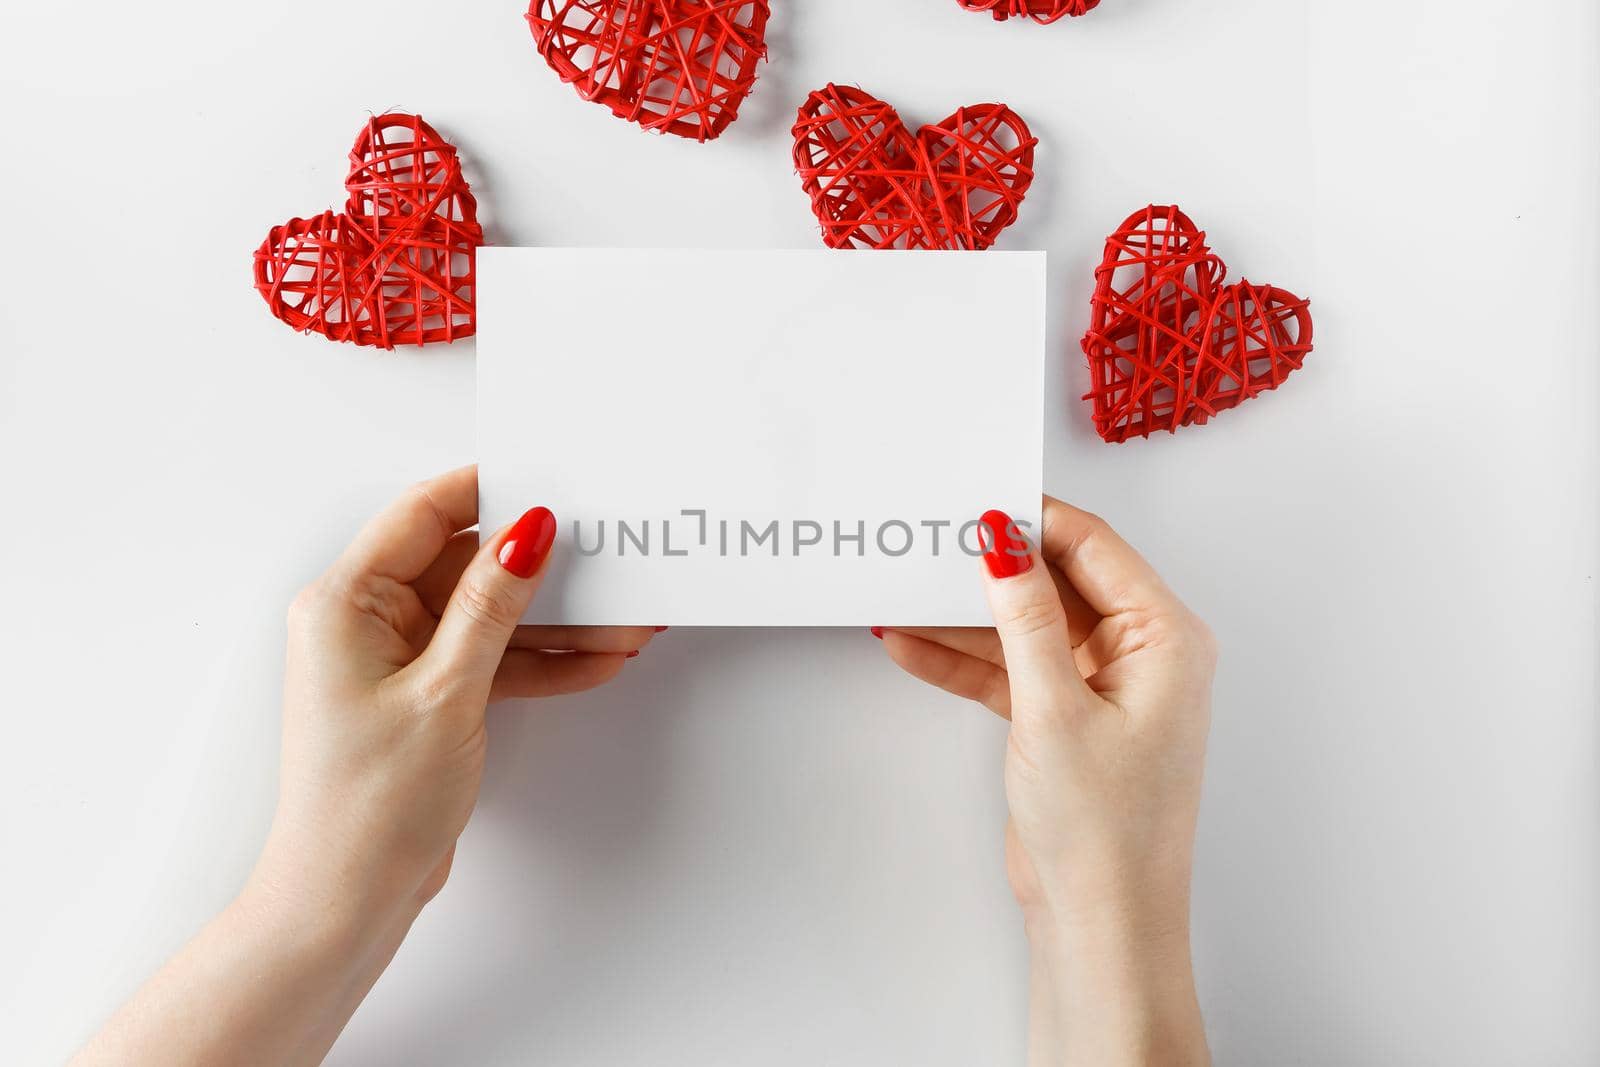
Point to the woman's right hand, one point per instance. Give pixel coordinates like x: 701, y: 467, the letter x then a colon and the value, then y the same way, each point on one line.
x: 1106, y: 678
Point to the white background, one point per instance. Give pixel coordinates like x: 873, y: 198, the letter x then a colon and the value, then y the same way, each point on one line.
x: 768, y: 847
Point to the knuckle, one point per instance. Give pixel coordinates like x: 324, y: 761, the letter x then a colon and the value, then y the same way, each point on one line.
x: 422, y: 499
x: 1182, y: 633
x: 1094, y: 529
x: 1143, y: 629
x: 488, y: 605
x: 996, y: 694
x: 307, y: 603
x: 1204, y: 640
x: 1030, y: 616
x: 435, y: 689
x: 378, y: 597
x: 1177, y: 631
x: 1091, y: 531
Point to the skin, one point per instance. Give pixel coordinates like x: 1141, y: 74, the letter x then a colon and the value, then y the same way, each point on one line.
x: 1106, y: 679
x: 396, y: 651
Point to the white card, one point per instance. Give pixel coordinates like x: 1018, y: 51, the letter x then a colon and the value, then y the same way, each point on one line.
x: 794, y: 438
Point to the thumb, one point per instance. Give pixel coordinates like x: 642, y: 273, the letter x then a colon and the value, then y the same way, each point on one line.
x: 1030, y: 620
x: 489, y: 599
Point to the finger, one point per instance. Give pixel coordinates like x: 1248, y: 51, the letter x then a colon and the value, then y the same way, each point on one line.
x: 440, y: 579
x: 975, y: 641
x: 435, y: 584
x: 953, y: 671
x: 419, y: 627
x: 489, y: 601
x: 412, y: 620
x: 1030, y: 619
x: 525, y: 673
x: 583, y: 638
x: 984, y: 642
x: 1111, y: 577
x: 410, y: 533
x: 1081, y: 618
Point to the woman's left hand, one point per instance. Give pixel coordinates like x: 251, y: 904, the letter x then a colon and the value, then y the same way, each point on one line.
x: 393, y: 655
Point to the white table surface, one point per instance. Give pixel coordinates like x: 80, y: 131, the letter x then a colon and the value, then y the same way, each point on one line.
x: 769, y: 847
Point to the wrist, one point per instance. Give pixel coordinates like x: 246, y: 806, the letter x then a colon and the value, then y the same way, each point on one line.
x: 1121, y: 935
x: 1113, y: 896
x: 1123, y: 995
x: 341, y: 900
x: 1118, y: 954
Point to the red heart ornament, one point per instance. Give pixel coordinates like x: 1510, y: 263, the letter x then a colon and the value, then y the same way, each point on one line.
x: 953, y: 185
x: 677, y: 66
x: 1169, y: 344
x: 396, y: 266
x: 1044, y: 11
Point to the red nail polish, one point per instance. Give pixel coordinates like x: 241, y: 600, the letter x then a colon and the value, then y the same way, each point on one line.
x: 877, y: 631
x: 1007, y: 554
x: 661, y: 629
x: 632, y: 654
x: 528, y: 543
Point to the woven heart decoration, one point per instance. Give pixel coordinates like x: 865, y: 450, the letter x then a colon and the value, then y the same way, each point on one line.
x: 396, y: 266
x: 675, y: 66
x: 1043, y: 11
x: 873, y: 184
x: 1169, y: 344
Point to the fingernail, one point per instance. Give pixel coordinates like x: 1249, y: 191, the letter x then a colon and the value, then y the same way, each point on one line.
x: 661, y: 629
x: 877, y: 631
x: 528, y: 543
x: 632, y: 654
x: 1008, y: 554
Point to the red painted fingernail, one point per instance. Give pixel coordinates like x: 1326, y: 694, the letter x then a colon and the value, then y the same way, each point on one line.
x: 632, y: 654
x: 661, y: 629
x: 1007, y: 554
x: 528, y: 543
x: 877, y: 631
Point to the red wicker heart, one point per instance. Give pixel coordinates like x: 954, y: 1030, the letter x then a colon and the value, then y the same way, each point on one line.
x: 954, y: 185
x: 1037, y: 10
x: 1169, y: 344
x: 676, y: 66
x: 396, y: 266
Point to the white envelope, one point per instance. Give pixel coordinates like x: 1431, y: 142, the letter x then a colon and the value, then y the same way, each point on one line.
x: 784, y: 438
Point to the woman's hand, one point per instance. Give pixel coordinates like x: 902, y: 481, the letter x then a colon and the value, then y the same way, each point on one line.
x: 393, y: 655
x: 1106, y: 678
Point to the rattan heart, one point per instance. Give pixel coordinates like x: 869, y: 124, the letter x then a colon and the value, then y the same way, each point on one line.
x: 954, y: 185
x: 1169, y: 344
x: 1038, y: 10
x: 396, y: 266
x: 677, y: 66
